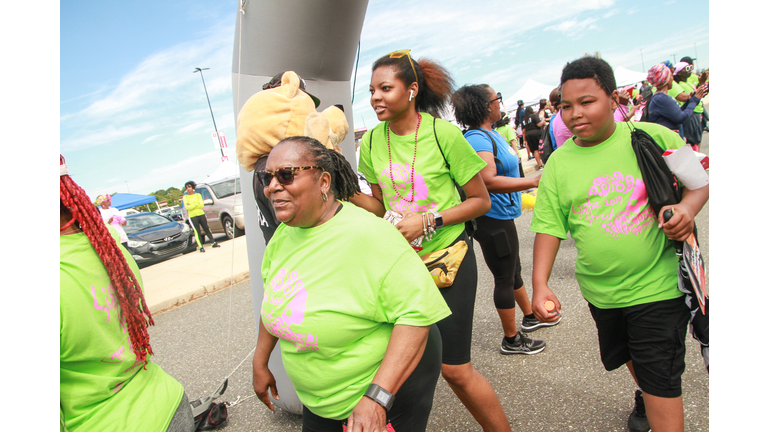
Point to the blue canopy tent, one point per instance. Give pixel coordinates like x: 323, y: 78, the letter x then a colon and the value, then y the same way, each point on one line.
x: 122, y: 201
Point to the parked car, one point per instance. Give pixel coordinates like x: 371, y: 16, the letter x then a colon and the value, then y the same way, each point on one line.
x: 176, y: 214
x: 153, y: 237
x: 223, y: 206
x: 129, y: 212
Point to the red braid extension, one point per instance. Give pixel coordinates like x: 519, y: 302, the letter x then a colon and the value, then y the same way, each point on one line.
x: 134, y: 312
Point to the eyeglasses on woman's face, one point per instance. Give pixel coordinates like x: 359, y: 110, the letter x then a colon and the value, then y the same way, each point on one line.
x: 498, y: 98
x: 283, y: 175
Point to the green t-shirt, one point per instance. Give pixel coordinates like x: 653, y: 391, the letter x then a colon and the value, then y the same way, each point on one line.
x: 687, y: 89
x: 194, y: 204
x: 508, y: 132
x: 101, y: 386
x: 693, y: 80
x: 434, y: 188
x: 675, y: 90
x: 597, y: 194
x: 333, y: 302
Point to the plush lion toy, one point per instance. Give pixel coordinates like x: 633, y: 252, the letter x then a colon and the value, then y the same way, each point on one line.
x: 271, y: 115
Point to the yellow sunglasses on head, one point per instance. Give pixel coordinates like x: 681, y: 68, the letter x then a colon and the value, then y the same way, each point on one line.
x: 404, y: 52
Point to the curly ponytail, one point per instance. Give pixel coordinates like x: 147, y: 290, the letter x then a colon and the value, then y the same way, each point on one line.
x: 134, y: 312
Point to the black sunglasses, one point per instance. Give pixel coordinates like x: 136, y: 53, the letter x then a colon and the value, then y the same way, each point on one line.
x: 284, y: 175
x: 498, y: 98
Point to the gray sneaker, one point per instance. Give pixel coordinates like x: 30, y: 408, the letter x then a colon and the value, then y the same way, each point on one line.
x: 524, y: 345
x: 531, y: 324
x: 637, y: 421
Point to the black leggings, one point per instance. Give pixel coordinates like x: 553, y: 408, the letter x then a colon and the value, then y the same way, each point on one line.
x: 413, y: 400
x: 501, y: 250
x: 201, y: 222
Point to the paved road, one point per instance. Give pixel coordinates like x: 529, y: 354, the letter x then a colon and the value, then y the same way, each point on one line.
x: 562, y: 388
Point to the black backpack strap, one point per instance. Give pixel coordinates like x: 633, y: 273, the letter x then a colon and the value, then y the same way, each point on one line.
x: 493, y: 143
x: 434, y: 132
x: 495, y: 157
x: 471, y: 225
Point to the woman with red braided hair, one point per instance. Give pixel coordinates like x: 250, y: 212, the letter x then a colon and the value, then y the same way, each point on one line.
x: 107, y: 381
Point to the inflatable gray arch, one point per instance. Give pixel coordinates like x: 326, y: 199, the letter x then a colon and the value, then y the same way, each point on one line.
x: 317, y: 39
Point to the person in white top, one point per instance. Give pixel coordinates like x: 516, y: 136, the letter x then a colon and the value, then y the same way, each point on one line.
x: 112, y: 216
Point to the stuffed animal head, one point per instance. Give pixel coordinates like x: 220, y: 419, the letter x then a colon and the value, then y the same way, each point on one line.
x: 274, y: 114
x: 330, y: 127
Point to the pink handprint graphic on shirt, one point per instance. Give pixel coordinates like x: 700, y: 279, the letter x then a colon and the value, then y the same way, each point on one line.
x: 288, y: 296
x: 619, y: 202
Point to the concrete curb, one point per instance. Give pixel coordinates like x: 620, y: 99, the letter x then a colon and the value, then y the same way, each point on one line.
x: 180, y: 280
x: 197, y: 293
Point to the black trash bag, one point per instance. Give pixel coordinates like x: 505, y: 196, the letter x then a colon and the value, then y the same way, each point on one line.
x: 662, y: 186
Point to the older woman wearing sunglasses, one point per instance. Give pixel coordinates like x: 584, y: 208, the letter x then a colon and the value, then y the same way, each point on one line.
x: 350, y: 302
x: 412, y: 160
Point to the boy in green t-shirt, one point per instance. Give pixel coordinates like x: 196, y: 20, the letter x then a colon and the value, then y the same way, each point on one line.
x: 626, y: 267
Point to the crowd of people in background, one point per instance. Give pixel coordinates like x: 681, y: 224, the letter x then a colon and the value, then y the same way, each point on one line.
x: 380, y: 333
x: 683, y: 111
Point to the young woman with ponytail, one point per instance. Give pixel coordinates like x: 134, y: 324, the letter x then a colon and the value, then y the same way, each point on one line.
x: 411, y: 160
x: 107, y: 380
x: 351, y: 304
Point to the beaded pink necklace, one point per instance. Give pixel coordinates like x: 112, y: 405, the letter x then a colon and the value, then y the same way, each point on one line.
x: 413, y: 164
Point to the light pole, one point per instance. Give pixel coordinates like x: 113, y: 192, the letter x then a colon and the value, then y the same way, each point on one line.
x: 695, y: 52
x: 641, y: 58
x: 209, y: 107
x: 126, y: 186
x: 674, y: 58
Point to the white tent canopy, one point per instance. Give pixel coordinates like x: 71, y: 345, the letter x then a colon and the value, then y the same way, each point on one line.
x: 530, y: 93
x: 625, y: 77
x: 226, y: 169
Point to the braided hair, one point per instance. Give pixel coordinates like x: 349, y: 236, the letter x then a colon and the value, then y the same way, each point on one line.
x: 470, y: 104
x: 435, y: 82
x: 344, y: 182
x: 76, y: 206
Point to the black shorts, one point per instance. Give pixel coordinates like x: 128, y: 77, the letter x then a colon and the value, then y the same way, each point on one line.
x: 456, y: 328
x: 532, y: 137
x: 652, y: 335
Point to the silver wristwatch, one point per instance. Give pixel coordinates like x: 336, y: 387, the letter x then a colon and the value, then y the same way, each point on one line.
x: 438, y: 220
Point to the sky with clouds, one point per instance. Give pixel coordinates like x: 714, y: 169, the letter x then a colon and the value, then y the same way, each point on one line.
x: 134, y: 116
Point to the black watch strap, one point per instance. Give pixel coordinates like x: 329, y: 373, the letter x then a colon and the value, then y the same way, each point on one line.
x: 380, y: 396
